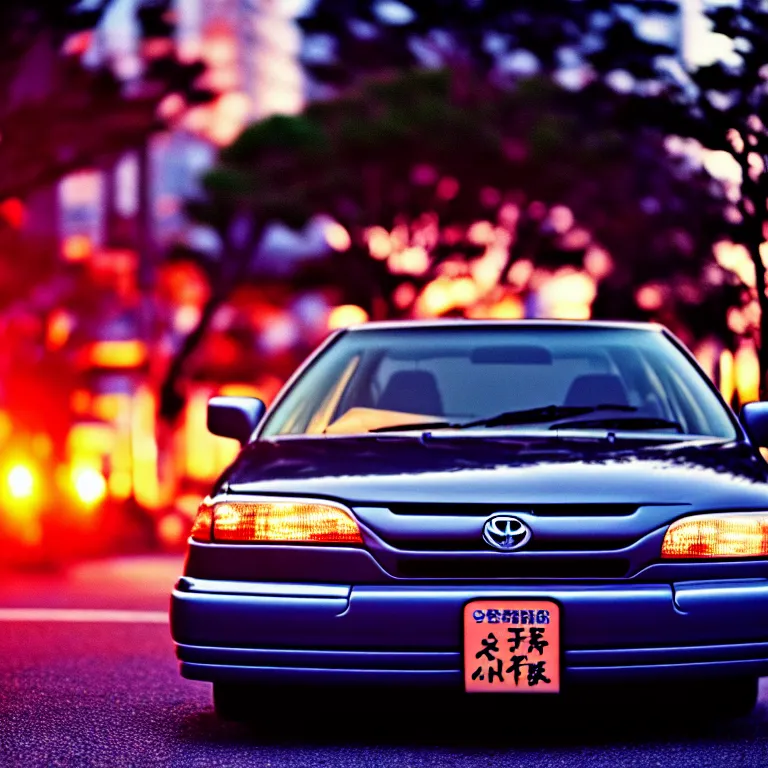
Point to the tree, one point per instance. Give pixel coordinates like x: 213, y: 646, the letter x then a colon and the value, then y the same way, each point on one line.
x: 432, y: 176
x: 264, y: 177
x: 62, y: 111
x: 559, y: 176
x: 59, y: 115
x: 724, y: 107
x: 721, y: 105
x: 596, y: 36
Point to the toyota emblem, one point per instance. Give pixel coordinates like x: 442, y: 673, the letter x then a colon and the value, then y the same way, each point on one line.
x: 506, y: 532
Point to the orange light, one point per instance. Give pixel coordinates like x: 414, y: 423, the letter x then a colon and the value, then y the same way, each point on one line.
x: 240, y: 390
x: 746, y: 369
x: 117, y: 354
x: 379, y: 243
x: 6, y: 426
x: 435, y: 298
x: 110, y: 406
x: 77, y: 248
x: 20, y: 481
x: 201, y: 527
x: 410, y: 261
x: 337, y: 237
x: 727, y: 375
x: 120, y: 484
x: 707, y: 536
x: 89, y: 484
x: 60, y: 325
x: 80, y: 401
x: 144, y: 450
x: 346, y: 315
x: 509, y: 307
x: 171, y: 530
x: 90, y: 439
x: 284, y: 521
x: 650, y: 297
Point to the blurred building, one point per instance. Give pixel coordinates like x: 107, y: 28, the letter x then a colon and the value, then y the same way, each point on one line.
x: 250, y: 49
x: 270, y: 45
x: 117, y: 222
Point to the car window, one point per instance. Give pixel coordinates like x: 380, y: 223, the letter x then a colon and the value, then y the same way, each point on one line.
x: 465, y: 387
x: 385, y: 377
x: 321, y: 417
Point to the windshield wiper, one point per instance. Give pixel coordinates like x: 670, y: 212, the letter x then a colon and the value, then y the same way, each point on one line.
x: 416, y: 426
x: 630, y: 423
x: 511, y: 418
x: 545, y: 413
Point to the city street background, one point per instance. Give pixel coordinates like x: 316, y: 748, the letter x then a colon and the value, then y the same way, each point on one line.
x: 103, y: 690
x: 194, y: 193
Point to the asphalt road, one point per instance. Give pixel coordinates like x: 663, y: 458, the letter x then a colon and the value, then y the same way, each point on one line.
x: 79, y: 688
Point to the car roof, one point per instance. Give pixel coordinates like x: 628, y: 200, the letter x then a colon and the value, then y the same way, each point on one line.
x: 486, y: 323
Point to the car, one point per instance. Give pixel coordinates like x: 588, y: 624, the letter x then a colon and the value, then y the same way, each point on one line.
x: 483, y: 506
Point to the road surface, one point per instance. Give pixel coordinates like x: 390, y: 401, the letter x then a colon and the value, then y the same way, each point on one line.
x: 88, y: 678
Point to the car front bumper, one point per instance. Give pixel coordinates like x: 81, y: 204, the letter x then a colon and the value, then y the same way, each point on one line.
x: 269, y: 633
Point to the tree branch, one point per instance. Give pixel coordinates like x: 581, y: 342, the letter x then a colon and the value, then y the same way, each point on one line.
x: 236, y: 263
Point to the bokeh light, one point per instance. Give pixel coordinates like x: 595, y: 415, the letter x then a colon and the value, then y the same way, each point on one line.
x: 20, y: 482
x: 89, y: 484
x: 379, y: 244
x: 337, y: 237
x: 649, y: 298
x: 345, y: 315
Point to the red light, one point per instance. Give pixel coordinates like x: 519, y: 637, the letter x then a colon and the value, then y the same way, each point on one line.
x: 201, y: 527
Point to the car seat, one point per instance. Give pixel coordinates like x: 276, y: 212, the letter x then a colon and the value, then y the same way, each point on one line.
x: 412, y: 392
x: 596, y: 389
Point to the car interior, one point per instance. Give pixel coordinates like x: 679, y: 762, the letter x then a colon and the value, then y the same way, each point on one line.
x: 386, y: 390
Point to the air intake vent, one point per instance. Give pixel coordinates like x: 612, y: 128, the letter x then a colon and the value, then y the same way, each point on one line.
x: 544, y: 510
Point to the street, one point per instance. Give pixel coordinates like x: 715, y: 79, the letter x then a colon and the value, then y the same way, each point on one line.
x: 88, y: 678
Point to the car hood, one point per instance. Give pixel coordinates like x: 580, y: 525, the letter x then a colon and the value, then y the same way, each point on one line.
x: 387, y: 469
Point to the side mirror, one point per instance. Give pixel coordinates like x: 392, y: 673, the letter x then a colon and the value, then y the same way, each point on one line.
x: 754, y: 417
x: 234, y: 417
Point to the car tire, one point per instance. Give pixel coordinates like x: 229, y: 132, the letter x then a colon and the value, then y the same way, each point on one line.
x: 233, y: 703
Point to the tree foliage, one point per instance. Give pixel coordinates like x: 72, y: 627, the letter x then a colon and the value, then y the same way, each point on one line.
x: 61, y: 111
x: 456, y: 176
x: 489, y: 36
x: 723, y: 105
x: 59, y: 114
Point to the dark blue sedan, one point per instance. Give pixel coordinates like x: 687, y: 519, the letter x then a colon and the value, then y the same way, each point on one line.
x: 483, y: 507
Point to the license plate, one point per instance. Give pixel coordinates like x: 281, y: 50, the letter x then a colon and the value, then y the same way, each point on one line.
x: 512, y: 646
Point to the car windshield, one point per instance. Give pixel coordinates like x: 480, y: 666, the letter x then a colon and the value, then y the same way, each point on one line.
x: 448, y: 376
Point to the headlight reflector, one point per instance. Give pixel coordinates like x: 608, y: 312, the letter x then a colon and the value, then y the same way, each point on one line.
x: 276, y: 521
x: 711, y: 536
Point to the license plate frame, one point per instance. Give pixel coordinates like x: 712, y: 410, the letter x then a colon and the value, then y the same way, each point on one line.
x: 490, y: 643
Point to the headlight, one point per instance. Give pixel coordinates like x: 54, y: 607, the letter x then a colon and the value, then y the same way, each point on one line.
x: 285, y: 521
x: 739, y: 534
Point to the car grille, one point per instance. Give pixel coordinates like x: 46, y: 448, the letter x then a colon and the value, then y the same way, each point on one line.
x: 445, y: 541
x: 534, y: 545
x: 512, y: 568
